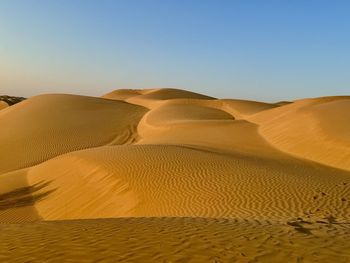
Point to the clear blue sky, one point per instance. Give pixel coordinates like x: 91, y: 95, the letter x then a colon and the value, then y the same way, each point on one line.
x: 264, y: 50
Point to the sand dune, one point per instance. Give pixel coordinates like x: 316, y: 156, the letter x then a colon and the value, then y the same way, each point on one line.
x: 315, y: 129
x: 169, y: 114
x: 182, y: 181
x: 154, y: 97
x: 122, y: 94
x: 46, y: 126
x: 258, y: 174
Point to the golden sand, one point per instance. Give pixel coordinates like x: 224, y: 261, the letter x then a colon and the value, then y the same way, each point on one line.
x: 173, y: 176
x: 3, y: 105
x: 174, y: 240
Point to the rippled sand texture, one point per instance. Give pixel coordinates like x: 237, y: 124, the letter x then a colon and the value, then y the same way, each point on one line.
x: 174, y: 240
x: 223, y: 179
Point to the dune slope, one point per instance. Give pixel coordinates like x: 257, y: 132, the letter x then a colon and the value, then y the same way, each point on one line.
x: 45, y: 126
x: 183, y: 181
x: 315, y: 129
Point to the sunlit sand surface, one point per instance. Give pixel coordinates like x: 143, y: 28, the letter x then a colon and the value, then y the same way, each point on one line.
x: 175, y: 240
x: 166, y: 175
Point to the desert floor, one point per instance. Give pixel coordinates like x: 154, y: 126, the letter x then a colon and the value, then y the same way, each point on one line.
x: 166, y: 175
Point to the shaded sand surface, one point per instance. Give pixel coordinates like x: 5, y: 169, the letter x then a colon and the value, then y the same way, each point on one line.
x: 166, y: 175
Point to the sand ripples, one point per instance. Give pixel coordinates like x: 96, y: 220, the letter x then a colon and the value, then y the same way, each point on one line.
x: 173, y: 239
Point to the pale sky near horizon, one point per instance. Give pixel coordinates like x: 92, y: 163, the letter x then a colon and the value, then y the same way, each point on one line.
x: 263, y: 50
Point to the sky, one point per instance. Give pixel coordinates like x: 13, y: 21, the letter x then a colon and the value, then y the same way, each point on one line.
x: 263, y: 50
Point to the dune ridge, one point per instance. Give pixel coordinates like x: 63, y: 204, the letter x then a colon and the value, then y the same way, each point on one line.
x: 173, y: 156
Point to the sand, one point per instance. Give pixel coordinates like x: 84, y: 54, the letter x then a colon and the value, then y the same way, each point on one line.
x: 46, y: 126
x: 315, y: 129
x: 3, y: 105
x: 174, y: 240
x: 175, y: 176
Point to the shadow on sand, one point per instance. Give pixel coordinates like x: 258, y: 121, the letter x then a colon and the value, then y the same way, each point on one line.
x: 24, y: 196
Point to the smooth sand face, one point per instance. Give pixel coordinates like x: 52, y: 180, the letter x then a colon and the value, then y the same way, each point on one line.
x: 258, y: 175
x: 46, y: 126
x: 315, y: 129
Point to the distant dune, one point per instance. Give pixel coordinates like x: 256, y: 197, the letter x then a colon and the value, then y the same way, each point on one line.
x: 180, y: 176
